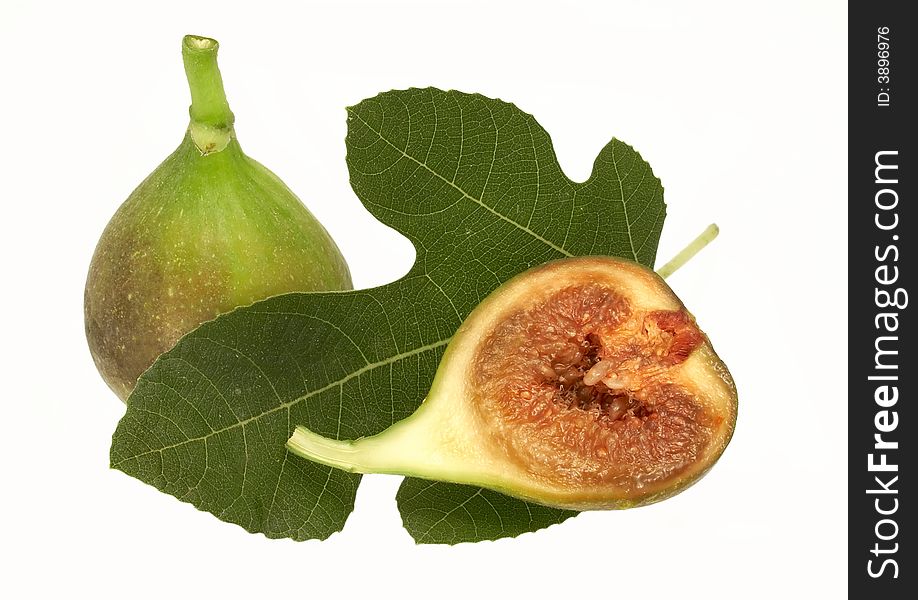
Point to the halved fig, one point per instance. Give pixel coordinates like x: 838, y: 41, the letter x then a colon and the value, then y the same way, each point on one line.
x: 583, y: 383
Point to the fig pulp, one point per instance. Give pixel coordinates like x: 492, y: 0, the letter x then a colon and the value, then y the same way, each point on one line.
x: 580, y: 384
x: 209, y: 230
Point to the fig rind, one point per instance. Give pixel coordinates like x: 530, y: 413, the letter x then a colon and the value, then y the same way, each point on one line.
x: 457, y: 435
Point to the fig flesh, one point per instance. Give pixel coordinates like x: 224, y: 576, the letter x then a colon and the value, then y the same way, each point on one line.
x: 580, y: 384
x: 209, y: 230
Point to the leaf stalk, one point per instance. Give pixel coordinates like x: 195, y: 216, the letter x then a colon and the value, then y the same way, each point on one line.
x: 689, y: 252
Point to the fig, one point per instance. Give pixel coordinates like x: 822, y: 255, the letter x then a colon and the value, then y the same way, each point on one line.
x: 207, y: 231
x: 580, y: 384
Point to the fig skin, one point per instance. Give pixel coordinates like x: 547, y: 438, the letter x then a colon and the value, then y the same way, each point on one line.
x: 209, y: 230
x: 456, y: 435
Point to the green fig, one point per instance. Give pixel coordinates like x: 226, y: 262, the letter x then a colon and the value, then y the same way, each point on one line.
x: 580, y: 384
x: 209, y: 230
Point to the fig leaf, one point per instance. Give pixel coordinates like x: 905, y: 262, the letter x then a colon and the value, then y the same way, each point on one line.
x: 435, y: 512
x: 475, y: 185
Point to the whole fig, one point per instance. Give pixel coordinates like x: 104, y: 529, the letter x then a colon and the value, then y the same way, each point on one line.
x: 207, y: 231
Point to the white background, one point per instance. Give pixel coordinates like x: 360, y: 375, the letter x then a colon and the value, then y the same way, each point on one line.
x: 741, y: 110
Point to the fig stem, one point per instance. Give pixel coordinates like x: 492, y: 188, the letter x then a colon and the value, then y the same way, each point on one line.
x: 211, y: 117
x: 340, y: 454
x: 405, y: 447
x: 687, y: 253
x: 364, y: 455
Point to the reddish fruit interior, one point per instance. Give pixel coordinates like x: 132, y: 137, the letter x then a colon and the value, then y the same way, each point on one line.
x: 585, y: 389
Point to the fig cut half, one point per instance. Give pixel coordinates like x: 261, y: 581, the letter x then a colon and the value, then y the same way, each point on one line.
x: 582, y: 384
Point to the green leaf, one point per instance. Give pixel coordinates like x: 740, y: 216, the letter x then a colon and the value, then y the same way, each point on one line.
x: 447, y: 513
x: 475, y: 185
